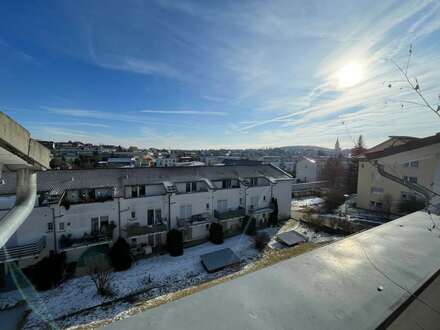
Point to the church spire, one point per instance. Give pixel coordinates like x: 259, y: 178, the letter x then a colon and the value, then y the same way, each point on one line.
x: 337, y: 146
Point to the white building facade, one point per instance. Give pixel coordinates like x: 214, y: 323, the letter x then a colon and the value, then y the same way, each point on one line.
x: 80, y: 209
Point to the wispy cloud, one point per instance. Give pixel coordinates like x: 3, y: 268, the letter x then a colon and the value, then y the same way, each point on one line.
x: 138, y: 66
x: 186, y: 112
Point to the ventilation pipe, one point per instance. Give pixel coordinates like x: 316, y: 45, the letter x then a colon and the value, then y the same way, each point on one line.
x: 26, y: 195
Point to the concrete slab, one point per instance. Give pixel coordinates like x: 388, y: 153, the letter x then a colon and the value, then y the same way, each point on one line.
x: 17, y: 149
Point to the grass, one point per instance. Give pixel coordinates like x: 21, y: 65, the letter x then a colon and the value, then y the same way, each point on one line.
x: 269, y: 257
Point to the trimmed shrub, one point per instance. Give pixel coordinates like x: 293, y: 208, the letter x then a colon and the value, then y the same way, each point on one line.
x: 49, y: 272
x: 273, y: 218
x: 261, y: 239
x: 175, y: 242
x: 249, y: 226
x: 120, y: 256
x: 216, y: 233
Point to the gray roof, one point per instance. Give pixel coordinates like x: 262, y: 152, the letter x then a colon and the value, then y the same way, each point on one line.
x: 355, y: 283
x: 58, y: 180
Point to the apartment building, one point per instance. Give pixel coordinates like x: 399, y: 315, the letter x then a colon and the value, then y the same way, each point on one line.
x: 308, y: 169
x: 79, y: 209
x: 415, y: 160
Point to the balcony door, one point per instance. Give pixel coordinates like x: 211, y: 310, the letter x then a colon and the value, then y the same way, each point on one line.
x: 150, y: 217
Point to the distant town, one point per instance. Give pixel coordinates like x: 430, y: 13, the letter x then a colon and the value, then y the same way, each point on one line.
x: 80, y: 155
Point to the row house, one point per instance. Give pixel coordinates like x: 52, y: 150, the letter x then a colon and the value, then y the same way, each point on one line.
x: 79, y: 209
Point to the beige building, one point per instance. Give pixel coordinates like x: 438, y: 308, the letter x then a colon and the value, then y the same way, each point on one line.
x: 415, y: 160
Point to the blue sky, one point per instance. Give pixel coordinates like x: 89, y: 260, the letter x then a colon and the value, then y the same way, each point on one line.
x: 199, y: 74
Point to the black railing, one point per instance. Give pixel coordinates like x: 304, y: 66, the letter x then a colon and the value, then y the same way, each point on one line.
x: 240, y: 212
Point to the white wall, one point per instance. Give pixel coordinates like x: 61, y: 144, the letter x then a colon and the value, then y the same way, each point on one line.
x: 283, y: 193
x: 306, y: 171
x: 140, y: 207
x: 77, y: 219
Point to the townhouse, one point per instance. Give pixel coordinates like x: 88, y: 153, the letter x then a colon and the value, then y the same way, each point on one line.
x: 80, y: 209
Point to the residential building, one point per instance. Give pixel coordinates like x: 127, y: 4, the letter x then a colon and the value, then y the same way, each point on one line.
x: 415, y: 160
x: 308, y: 169
x: 79, y: 209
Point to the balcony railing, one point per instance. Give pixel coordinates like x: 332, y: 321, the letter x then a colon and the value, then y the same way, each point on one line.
x: 138, y: 230
x: 229, y: 214
x: 66, y: 241
x: 195, y: 220
x: 22, y: 251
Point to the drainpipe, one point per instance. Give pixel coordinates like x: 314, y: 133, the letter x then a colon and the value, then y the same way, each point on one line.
x: 169, y: 211
x: 26, y: 195
x: 54, y: 229
x: 119, y: 216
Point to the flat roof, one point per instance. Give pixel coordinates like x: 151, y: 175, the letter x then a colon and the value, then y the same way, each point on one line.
x: 219, y: 259
x: 291, y: 238
x: 355, y: 283
x: 116, y: 177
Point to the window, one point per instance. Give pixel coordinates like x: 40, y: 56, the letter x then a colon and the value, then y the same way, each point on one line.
x: 194, y: 186
x: 226, y: 184
x: 134, y: 192
x: 158, y: 214
x: 99, y: 224
x: 414, y: 163
x: 411, y: 179
x: 376, y: 190
x: 133, y: 214
x: 253, y: 182
x: 49, y: 227
x: 207, y: 205
x: 150, y: 217
x: 95, y: 225
x: 141, y: 191
x: 103, y: 223
x: 185, y: 211
x: 188, y: 187
x: 222, y: 205
x: 61, y: 226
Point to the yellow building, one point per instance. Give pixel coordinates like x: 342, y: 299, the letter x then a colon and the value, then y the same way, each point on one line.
x: 415, y: 160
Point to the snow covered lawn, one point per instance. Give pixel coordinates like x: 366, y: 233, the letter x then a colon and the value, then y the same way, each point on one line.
x: 164, y: 271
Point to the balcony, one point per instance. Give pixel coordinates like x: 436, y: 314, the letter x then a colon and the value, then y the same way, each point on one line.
x: 29, y: 250
x: 67, y: 242
x: 229, y: 214
x: 195, y: 219
x: 138, y: 230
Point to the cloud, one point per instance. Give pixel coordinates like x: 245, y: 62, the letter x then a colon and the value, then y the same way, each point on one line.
x: 109, y: 116
x: 138, y: 66
x: 186, y: 112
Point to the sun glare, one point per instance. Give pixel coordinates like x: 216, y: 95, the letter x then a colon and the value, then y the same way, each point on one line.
x: 350, y: 75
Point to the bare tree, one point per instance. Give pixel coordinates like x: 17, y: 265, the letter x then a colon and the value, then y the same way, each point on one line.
x: 414, y: 85
x: 98, y: 269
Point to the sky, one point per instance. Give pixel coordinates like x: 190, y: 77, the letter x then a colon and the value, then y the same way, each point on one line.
x: 219, y: 74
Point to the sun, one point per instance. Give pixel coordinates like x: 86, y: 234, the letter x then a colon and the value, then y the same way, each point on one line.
x: 350, y: 75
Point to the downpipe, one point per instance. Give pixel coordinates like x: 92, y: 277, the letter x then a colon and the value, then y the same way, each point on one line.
x: 26, y: 195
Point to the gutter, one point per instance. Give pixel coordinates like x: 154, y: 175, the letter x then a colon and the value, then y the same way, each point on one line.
x: 26, y: 195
